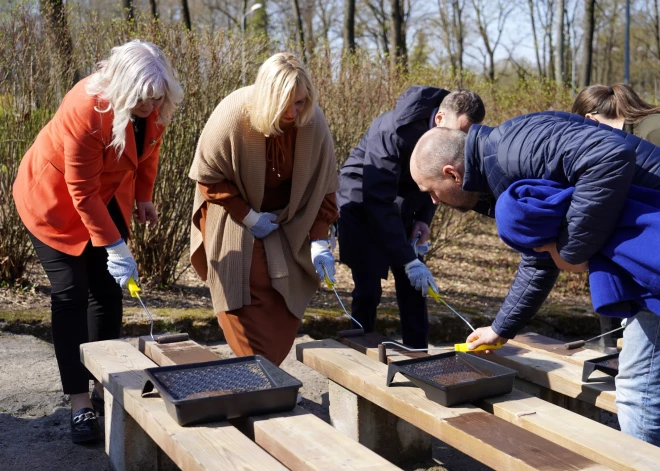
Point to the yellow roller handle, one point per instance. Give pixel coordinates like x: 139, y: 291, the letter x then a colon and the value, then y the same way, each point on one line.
x: 463, y: 347
x: 436, y: 296
x: 329, y: 283
x: 133, y: 288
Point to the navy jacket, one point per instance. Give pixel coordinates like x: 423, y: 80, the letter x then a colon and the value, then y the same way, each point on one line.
x: 600, y: 162
x: 378, y: 199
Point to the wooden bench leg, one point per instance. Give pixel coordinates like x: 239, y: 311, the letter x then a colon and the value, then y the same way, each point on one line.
x: 128, y: 447
x: 374, y: 427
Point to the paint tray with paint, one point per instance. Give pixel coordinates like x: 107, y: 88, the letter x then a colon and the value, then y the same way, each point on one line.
x: 454, y: 378
x: 222, y: 389
x: 609, y: 364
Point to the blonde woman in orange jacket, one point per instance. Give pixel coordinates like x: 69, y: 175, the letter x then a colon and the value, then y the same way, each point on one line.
x: 77, y: 186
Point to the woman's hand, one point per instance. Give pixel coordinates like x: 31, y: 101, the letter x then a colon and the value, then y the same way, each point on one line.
x: 560, y: 262
x: 484, y: 335
x: 145, y: 211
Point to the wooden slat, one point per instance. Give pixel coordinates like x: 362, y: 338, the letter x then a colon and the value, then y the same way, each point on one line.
x: 580, y: 434
x: 554, y: 348
x: 487, y: 438
x: 214, y: 446
x: 297, y: 438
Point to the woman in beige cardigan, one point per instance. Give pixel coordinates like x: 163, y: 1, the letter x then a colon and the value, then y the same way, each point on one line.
x: 266, y: 175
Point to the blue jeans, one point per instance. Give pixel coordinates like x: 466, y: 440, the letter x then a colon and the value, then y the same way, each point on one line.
x: 638, y: 381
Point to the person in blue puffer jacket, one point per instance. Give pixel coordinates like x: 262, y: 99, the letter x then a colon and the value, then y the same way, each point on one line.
x: 461, y: 170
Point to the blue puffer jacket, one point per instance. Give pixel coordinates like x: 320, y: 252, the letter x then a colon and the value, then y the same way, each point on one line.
x: 600, y: 162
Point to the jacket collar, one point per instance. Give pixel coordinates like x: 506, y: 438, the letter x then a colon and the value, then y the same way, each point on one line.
x: 475, y: 178
x: 151, y: 134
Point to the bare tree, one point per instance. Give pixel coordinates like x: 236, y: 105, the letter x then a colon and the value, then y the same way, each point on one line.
x: 308, y: 18
x: 399, y: 52
x: 559, y: 59
x: 380, y: 31
x: 186, y: 14
x: 154, y: 9
x: 588, y: 41
x: 55, y: 13
x: 349, y: 25
x: 129, y: 12
x: 485, y: 21
x: 532, y: 17
x: 453, y: 31
x: 299, y: 32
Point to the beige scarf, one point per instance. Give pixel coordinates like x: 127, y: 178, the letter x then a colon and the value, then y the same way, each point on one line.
x: 230, y: 149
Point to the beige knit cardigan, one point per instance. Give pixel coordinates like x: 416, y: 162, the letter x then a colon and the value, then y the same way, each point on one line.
x: 230, y: 149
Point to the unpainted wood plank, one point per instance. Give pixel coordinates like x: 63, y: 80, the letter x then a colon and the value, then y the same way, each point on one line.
x: 487, y: 438
x: 213, y: 446
x: 558, y: 375
x: 555, y: 348
x: 178, y: 353
x: 300, y: 440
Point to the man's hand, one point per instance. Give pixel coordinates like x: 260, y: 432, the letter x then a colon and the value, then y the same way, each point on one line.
x: 146, y: 212
x: 421, y: 228
x: 560, y: 262
x: 484, y: 335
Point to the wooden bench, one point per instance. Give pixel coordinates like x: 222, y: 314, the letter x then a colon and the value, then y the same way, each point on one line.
x: 572, y: 431
x: 137, y: 426
x: 298, y: 438
x: 487, y: 438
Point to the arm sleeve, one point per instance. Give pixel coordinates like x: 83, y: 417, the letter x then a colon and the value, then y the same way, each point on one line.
x: 83, y: 166
x: 381, y: 173
x: 426, y: 212
x: 146, y: 175
x: 226, y: 194
x: 531, y: 286
x: 327, y: 214
x: 601, y: 171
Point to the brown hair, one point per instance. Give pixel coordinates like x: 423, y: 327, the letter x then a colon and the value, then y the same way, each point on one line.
x: 467, y: 102
x: 617, y: 101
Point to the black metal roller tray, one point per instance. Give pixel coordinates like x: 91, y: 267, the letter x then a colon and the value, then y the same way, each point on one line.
x: 609, y: 364
x: 478, y: 378
x: 223, y: 389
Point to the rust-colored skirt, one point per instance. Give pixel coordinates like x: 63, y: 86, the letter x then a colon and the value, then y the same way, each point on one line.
x: 265, y: 326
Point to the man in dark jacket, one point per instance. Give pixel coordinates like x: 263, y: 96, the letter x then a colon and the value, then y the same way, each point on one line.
x: 600, y: 163
x: 382, y: 210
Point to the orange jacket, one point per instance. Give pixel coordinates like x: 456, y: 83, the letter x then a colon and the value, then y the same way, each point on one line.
x: 71, y: 172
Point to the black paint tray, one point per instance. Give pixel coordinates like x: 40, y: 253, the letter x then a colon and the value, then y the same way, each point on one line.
x: 608, y: 364
x: 473, y: 377
x: 223, y: 389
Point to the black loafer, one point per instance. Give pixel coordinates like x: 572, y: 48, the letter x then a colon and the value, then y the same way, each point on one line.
x: 85, y: 426
x: 98, y: 403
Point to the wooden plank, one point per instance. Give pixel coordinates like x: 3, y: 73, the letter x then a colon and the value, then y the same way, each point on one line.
x: 554, y: 348
x: 487, y: 438
x: 558, y: 375
x: 297, y: 438
x: 214, y: 446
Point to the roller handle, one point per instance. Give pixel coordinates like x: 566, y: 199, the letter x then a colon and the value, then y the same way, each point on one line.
x: 576, y: 344
x: 133, y: 288
x: 463, y: 347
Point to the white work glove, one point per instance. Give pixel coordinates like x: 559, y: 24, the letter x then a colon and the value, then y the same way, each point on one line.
x: 420, y: 277
x: 421, y: 249
x: 260, y: 224
x: 322, y: 258
x: 121, y: 263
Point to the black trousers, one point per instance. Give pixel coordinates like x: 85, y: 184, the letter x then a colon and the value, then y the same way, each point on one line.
x: 413, y: 313
x: 86, y: 303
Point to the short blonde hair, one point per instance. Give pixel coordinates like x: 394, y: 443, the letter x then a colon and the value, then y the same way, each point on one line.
x: 276, y: 84
x: 135, y: 70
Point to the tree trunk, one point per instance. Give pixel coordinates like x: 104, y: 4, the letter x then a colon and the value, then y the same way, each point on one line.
x: 300, y: 35
x: 186, y: 14
x: 154, y: 9
x: 398, y: 50
x: 588, y: 42
x: 349, y: 26
x: 129, y: 12
x: 559, y: 58
x: 308, y: 17
x: 57, y: 19
x: 536, y: 41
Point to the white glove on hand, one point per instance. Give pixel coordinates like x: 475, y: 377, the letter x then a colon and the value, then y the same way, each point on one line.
x: 422, y: 249
x: 121, y: 263
x: 420, y: 277
x: 260, y: 224
x: 322, y: 258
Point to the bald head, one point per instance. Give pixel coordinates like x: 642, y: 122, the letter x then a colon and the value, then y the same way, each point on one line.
x: 438, y: 148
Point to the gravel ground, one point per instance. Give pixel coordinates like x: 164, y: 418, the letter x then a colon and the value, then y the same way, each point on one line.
x: 34, y: 415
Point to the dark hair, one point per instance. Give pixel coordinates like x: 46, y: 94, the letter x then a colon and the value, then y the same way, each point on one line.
x: 617, y: 101
x: 467, y: 102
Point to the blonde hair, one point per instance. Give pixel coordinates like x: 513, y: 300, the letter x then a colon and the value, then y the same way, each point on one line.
x: 135, y: 70
x: 274, y: 89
